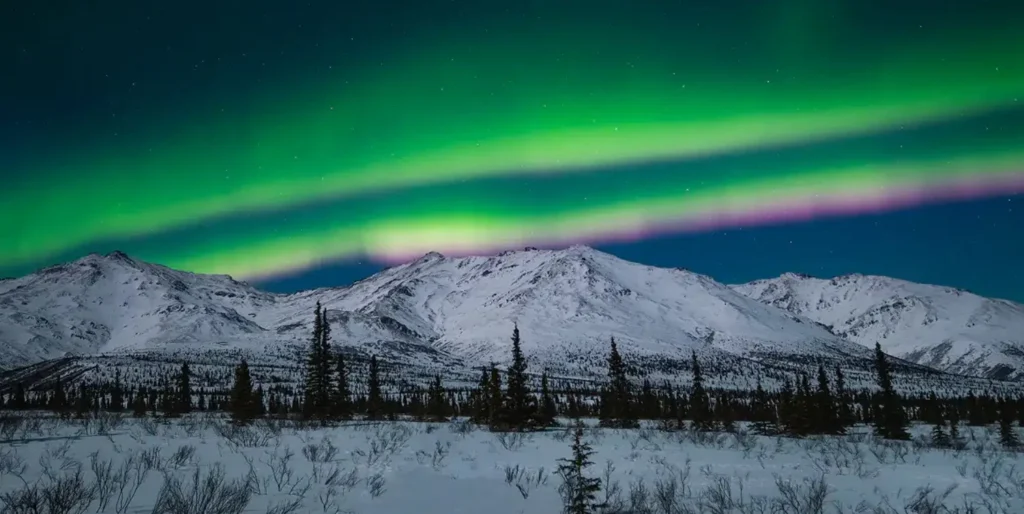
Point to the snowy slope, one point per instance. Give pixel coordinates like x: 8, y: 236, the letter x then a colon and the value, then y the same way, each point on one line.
x: 568, y: 304
x: 108, y: 303
x: 941, y: 327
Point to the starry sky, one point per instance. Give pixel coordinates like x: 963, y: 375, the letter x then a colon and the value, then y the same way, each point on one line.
x: 309, y: 144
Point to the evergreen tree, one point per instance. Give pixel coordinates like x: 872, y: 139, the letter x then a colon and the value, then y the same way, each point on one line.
x: 374, y: 398
x: 800, y: 423
x: 83, y: 402
x: 437, y: 406
x: 59, y: 400
x: 242, y: 406
x: 844, y: 415
x: 139, y: 404
x: 763, y: 413
x: 1007, y: 434
x: 939, y: 437
x: 482, y: 399
x: 825, y: 416
x: 327, y: 391
x: 891, y: 422
x: 259, y: 408
x: 342, y: 399
x: 546, y: 410
x: 650, y: 407
x: 183, y: 403
x: 497, y: 398
x: 700, y: 407
x: 313, y: 379
x: 579, y: 492
x: 518, y: 408
x: 117, y: 394
x: 18, y: 402
x: 617, y: 402
x: 954, y: 426
x: 724, y: 414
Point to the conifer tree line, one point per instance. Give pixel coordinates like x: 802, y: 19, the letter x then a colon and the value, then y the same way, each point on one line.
x: 512, y: 399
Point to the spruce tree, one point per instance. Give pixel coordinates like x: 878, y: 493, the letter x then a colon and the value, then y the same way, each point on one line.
x: 649, y: 406
x: 891, y: 423
x: 59, y: 400
x: 241, y: 406
x: 342, y: 398
x: 939, y: 437
x: 183, y: 402
x: 313, y: 378
x: 617, y: 406
x: 374, y: 398
x: 954, y: 426
x: 786, y: 407
x: 700, y: 406
x: 497, y: 398
x: 326, y: 392
x: 724, y: 414
x: 763, y: 413
x: 801, y: 405
x: 579, y: 492
x: 517, y: 408
x: 437, y: 406
x: 1007, y: 434
x: 825, y: 416
x: 546, y: 410
x: 139, y: 404
x: 482, y: 399
x: 18, y: 402
x: 844, y: 415
x: 117, y: 393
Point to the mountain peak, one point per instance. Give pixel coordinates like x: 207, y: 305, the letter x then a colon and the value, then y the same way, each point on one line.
x: 118, y: 254
x: 936, y: 326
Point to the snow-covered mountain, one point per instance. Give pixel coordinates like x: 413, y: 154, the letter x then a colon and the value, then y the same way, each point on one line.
x: 567, y: 303
x: 941, y: 327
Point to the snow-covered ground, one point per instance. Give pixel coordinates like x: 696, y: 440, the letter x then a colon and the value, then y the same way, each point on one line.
x: 449, y: 468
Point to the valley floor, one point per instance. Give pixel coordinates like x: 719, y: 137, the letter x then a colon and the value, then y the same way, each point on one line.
x: 132, y: 466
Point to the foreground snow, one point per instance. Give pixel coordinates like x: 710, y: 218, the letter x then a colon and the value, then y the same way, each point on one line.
x: 404, y: 467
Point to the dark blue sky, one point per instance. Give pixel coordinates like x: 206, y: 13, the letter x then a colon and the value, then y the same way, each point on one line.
x: 977, y: 246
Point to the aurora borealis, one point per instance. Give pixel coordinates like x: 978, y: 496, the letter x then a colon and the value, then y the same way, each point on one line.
x: 271, y: 138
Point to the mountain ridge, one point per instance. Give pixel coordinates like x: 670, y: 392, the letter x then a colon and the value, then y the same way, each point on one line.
x: 435, y: 308
x: 947, y: 328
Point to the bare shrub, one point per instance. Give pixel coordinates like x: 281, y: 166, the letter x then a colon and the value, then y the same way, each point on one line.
x: 9, y: 426
x: 461, y: 427
x: 242, y: 436
x: 524, y: 480
x: 149, y: 426
x: 386, y: 441
x: 804, y: 498
x: 12, y: 464
x: 322, y: 452
x: 512, y: 441
x: 108, y: 422
x: 129, y: 477
x: 211, y: 494
x: 182, y: 456
x: 68, y: 494
x: 437, y: 457
x: 375, y: 485
x: 285, y: 507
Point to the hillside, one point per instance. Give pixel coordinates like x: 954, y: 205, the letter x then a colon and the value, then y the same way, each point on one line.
x: 941, y: 327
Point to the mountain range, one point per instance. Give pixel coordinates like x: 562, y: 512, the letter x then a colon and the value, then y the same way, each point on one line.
x: 461, y: 311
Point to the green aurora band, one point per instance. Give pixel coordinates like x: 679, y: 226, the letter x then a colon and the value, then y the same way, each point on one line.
x: 436, y: 148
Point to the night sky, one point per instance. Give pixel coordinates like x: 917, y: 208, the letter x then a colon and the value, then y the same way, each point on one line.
x: 304, y: 144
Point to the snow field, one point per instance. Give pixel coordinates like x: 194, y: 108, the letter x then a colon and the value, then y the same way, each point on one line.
x: 203, y: 465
